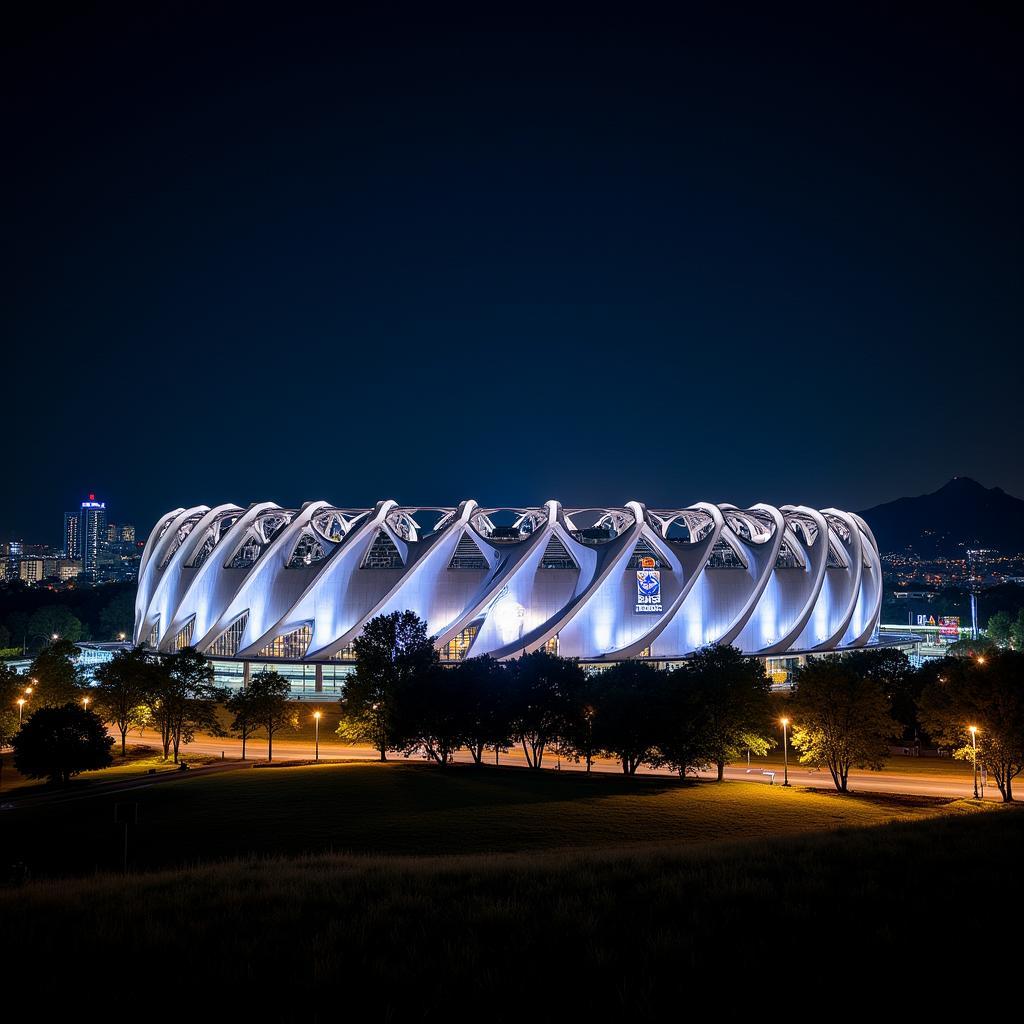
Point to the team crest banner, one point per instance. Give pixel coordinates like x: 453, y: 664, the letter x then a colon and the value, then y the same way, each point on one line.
x: 648, y: 591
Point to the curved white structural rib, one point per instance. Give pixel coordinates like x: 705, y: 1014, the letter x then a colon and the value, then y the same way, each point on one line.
x: 599, y: 584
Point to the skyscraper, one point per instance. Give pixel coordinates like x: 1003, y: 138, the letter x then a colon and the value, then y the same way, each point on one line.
x: 92, y: 532
x: 72, y: 537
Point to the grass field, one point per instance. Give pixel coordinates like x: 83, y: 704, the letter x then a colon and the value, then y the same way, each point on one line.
x: 609, y: 933
x: 139, y: 760
x: 413, y: 808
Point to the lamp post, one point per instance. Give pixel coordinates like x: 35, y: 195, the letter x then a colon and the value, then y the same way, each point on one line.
x: 785, y: 752
x: 974, y: 751
x: 21, y: 706
x: 85, y: 703
x: 589, y: 713
x: 316, y: 725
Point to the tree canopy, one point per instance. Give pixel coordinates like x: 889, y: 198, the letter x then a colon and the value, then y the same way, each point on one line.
x: 733, y: 692
x: 59, y: 742
x: 391, y: 652
x: 985, y: 692
x: 123, y: 685
x: 841, y: 717
x: 54, y: 676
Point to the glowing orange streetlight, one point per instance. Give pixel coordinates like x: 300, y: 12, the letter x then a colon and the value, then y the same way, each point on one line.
x: 316, y: 720
x: 785, y: 752
x: 981, y: 659
x: 21, y: 706
x: 85, y: 703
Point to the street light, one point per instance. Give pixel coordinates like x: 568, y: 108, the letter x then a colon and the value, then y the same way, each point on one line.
x: 981, y: 659
x: 316, y: 719
x: 589, y: 714
x: 974, y: 749
x: 54, y: 637
x: 21, y: 705
x: 785, y: 752
x: 85, y: 703
x: 120, y: 636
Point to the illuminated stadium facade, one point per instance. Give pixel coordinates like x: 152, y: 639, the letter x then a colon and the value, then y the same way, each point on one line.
x: 293, y: 588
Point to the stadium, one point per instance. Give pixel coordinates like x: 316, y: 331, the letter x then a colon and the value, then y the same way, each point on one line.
x: 293, y: 588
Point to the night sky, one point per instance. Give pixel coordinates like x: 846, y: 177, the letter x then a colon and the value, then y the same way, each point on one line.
x: 731, y: 257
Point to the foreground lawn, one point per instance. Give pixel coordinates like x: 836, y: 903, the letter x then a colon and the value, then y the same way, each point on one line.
x: 413, y: 808
x: 139, y: 760
x: 596, y: 934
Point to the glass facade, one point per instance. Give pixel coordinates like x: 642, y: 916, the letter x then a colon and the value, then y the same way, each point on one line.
x: 291, y: 645
x: 383, y: 554
x: 556, y: 557
x: 724, y: 556
x: 467, y: 555
x: 184, y: 638
x: 458, y: 647
x: 226, y: 645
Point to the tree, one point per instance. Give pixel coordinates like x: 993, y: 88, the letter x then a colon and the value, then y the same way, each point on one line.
x: 55, y: 678
x: 543, y: 691
x: 58, y: 742
x: 12, y: 687
x: 184, y: 699
x: 391, y: 651
x: 734, y: 693
x: 891, y: 669
x: 840, y: 718
x: 485, y: 705
x: 435, y: 710
x: 998, y: 628
x: 626, y: 720
x: 987, y: 693
x: 55, y: 620
x: 242, y: 708
x: 122, y: 685
x: 268, y: 698
x: 118, y: 616
x: 684, y: 729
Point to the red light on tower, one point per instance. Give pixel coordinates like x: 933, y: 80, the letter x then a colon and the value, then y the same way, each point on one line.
x: 92, y: 497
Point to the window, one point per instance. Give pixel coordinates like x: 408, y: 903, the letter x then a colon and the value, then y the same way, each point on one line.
x: 467, y: 555
x: 184, y: 638
x: 261, y: 535
x: 308, y: 551
x: 383, y: 554
x: 227, y: 644
x: 788, y: 558
x: 551, y: 646
x: 556, y: 557
x: 458, y: 647
x: 347, y: 653
x: 183, y: 531
x: 724, y: 556
x: 289, y: 646
x: 153, y: 640
x: 836, y: 558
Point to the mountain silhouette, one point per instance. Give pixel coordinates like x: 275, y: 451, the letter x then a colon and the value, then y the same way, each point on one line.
x: 959, y: 515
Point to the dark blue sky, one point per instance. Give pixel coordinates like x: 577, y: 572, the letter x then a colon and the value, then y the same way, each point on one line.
x: 715, y: 256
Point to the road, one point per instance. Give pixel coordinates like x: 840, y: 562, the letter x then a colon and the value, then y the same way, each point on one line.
x: 868, y: 782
